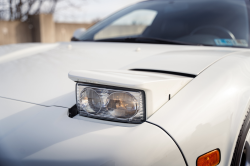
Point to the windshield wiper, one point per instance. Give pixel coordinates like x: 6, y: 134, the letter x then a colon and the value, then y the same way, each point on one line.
x: 143, y: 40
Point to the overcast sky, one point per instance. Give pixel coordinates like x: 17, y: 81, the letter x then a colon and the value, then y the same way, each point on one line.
x: 88, y: 10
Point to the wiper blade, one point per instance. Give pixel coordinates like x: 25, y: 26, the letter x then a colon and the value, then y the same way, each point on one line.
x: 143, y: 40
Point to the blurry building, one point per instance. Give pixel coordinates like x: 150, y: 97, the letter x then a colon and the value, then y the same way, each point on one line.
x: 41, y: 28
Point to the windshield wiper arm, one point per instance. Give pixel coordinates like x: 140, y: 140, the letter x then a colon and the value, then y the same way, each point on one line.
x: 143, y: 40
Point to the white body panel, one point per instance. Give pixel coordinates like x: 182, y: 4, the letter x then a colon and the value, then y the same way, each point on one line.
x: 211, y: 112
x: 34, y: 135
x: 190, y: 61
x: 42, y: 77
x: 206, y: 114
x: 157, y: 87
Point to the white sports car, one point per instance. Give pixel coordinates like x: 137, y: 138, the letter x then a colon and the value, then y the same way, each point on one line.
x: 159, y: 83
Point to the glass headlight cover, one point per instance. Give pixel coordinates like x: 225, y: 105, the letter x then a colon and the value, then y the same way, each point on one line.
x: 110, y: 103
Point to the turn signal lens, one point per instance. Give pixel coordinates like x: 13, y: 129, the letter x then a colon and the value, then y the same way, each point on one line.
x: 209, y: 159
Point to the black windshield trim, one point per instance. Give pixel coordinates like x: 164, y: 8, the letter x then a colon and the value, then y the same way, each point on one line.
x: 140, y: 39
x: 166, y: 72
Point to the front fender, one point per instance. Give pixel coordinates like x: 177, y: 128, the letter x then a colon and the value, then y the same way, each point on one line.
x: 208, y: 113
x: 36, y: 135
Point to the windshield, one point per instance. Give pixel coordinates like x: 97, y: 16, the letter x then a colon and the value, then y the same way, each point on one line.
x: 205, y: 22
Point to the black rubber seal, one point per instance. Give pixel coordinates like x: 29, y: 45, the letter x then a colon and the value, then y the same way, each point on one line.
x: 166, y: 72
x: 172, y: 139
x: 73, y: 111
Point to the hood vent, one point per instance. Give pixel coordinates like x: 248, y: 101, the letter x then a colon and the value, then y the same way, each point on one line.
x: 166, y: 72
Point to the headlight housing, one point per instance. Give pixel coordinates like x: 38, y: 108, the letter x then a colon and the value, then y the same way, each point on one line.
x: 111, y: 103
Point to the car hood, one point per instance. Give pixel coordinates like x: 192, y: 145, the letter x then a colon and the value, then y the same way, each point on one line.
x: 38, y: 73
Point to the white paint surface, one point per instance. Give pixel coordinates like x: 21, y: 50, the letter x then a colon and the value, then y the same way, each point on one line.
x: 206, y: 114
x: 33, y: 135
x: 41, y: 76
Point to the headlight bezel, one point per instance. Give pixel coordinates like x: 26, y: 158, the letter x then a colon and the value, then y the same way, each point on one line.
x: 122, y: 89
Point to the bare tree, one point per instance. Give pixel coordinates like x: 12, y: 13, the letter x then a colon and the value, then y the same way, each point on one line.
x: 96, y: 20
x: 24, y: 9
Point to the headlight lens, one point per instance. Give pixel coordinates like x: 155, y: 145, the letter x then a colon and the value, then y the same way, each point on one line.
x: 111, y: 103
x: 122, y: 105
x: 90, y: 101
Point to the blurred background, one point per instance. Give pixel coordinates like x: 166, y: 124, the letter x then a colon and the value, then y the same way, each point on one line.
x: 49, y: 21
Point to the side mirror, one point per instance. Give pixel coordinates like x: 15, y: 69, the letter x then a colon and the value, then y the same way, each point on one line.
x: 77, y: 34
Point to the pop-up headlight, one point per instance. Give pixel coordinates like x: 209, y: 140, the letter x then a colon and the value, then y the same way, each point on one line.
x: 109, y: 103
x: 123, y: 96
